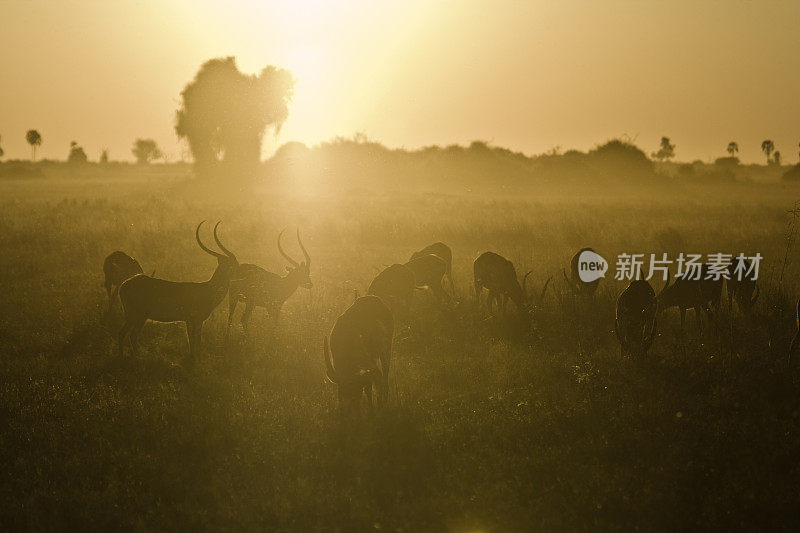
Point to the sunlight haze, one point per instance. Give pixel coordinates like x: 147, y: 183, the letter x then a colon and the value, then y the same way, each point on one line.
x: 527, y: 76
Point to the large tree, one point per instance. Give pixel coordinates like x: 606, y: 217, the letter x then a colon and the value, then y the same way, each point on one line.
x: 225, y: 113
x: 733, y: 148
x: 34, y: 138
x: 145, y: 150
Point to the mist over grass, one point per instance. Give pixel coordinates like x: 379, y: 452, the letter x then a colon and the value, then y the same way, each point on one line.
x: 491, y: 425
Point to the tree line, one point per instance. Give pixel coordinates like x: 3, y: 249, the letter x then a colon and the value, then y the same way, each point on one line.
x: 666, y: 151
x: 224, y: 114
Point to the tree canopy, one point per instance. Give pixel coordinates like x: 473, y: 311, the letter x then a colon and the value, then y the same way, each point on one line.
x: 224, y: 113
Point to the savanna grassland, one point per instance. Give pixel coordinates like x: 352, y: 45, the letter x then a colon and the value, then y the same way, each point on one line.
x: 490, y: 426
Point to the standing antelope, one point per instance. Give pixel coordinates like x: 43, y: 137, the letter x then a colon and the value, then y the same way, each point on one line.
x: 698, y: 294
x: 358, y: 355
x: 498, y: 275
x: 395, y: 286
x: 118, y: 267
x: 260, y: 288
x: 441, y: 250
x: 576, y: 284
x: 429, y: 271
x: 144, y: 297
x: 635, y: 322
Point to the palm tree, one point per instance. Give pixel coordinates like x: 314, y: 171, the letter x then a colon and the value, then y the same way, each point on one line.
x: 767, y: 147
x: 34, y: 138
x: 733, y: 148
x: 1, y: 149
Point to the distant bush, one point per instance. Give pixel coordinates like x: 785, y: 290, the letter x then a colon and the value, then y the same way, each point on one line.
x: 726, y: 162
x: 793, y: 174
x: 20, y: 169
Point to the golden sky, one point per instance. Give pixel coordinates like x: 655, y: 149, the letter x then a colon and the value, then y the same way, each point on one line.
x: 526, y: 75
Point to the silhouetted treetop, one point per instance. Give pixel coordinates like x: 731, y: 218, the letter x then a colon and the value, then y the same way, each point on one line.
x: 145, y: 150
x: 76, y: 153
x: 224, y: 112
x: 34, y: 138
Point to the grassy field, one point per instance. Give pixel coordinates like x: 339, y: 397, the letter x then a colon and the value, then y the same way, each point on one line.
x: 488, y: 427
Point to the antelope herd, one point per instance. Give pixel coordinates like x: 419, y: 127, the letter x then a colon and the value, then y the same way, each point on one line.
x: 357, y: 353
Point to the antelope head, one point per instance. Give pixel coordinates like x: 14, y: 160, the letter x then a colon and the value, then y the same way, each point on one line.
x: 299, y: 272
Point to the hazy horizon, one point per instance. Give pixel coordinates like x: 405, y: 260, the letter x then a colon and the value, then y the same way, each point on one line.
x: 529, y: 78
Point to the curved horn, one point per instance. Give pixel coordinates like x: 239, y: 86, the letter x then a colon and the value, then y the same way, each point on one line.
x: 758, y: 292
x: 221, y: 246
x: 329, y: 371
x: 544, y: 289
x: 203, y: 246
x: 525, y: 281
x: 570, y: 283
x: 305, y: 253
x: 284, y: 254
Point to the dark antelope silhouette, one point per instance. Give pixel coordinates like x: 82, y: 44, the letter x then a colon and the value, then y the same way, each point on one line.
x: 118, y: 267
x: 395, y: 286
x: 636, y: 323
x: 698, y: 294
x: 442, y: 251
x: 144, y: 297
x: 429, y: 271
x: 574, y: 282
x: 257, y: 287
x: 358, y: 356
x: 498, y: 275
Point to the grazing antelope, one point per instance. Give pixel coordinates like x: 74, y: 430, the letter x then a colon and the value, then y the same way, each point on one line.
x: 576, y: 284
x: 698, y: 294
x: 144, y: 297
x: 635, y: 322
x: 441, y: 250
x: 260, y: 288
x: 744, y: 291
x: 395, y: 286
x: 498, y: 275
x: 358, y: 355
x: 118, y: 267
x: 429, y: 271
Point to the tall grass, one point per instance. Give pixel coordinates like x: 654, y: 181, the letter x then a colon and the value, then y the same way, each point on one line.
x: 490, y: 425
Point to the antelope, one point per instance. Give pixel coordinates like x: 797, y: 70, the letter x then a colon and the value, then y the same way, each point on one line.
x: 429, y: 270
x: 260, y: 288
x: 118, y: 267
x: 698, y: 294
x: 574, y: 282
x: 395, y: 286
x: 441, y: 250
x: 635, y: 322
x: 498, y: 275
x: 744, y: 291
x: 357, y: 358
x: 144, y: 297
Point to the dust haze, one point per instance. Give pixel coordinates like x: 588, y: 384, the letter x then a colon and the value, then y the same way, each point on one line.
x: 234, y: 324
